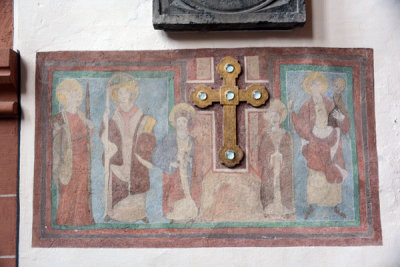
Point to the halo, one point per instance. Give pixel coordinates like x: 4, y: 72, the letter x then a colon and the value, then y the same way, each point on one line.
x: 125, y: 80
x: 277, y: 106
x: 188, y: 109
x: 313, y: 76
x: 66, y: 87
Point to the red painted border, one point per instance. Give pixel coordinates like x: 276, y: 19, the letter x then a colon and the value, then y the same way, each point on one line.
x: 154, y: 56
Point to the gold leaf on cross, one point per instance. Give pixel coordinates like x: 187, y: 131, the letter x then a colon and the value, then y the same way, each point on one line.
x: 229, y: 95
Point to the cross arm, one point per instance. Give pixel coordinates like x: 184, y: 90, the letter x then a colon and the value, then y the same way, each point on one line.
x: 255, y: 95
x: 203, y: 96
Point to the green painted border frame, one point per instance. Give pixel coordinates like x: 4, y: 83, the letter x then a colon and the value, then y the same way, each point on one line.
x: 146, y: 74
x: 348, y: 71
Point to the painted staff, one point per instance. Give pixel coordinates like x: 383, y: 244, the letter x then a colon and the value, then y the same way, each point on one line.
x: 291, y: 129
x: 89, y: 143
x: 107, y: 180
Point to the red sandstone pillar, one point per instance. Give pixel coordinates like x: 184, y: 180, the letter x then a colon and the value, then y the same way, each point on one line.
x: 9, y: 128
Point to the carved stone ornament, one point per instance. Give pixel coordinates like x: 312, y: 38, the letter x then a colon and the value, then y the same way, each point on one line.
x: 228, y: 15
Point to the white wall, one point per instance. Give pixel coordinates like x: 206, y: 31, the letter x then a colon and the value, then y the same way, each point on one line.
x: 52, y: 25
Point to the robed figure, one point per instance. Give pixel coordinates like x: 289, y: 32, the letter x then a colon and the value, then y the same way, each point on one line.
x: 321, y: 144
x: 128, y: 141
x: 275, y: 158
x: 175, y: 155
x: 71, y: 157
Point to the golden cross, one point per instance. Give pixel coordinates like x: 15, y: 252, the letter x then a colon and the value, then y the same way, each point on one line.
x: 229, y: 96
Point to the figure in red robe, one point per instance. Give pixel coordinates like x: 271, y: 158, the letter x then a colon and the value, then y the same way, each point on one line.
x: 128, y: 150
x: 321, y: 144
x: 71, y: 157
x: 275, y: 157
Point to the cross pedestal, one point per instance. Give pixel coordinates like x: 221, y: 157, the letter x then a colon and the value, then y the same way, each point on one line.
x: 229, y: 95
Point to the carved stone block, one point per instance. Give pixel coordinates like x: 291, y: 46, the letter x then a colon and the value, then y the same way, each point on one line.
x: 177, y: 15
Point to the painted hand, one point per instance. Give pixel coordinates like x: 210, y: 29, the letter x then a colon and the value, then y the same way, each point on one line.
x: 304, y: 142
x: 89, y: 124
x: 56, y: 127
x: 290, y: 103
x: 338, y: 115
x: 106, y: 115
x: 174, y: 165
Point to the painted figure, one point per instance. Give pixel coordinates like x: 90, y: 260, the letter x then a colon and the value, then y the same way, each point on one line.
x: 321, y: 144
x: 71, y: 157
x: 338, y: 85
x: 174, y: 155
x: 275, y: 157
x: 128, y: 141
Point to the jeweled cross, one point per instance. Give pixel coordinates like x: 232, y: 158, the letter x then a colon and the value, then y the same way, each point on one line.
x: 229, y: 96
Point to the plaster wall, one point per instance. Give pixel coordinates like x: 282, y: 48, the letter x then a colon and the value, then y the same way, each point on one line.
x: 54, y: 25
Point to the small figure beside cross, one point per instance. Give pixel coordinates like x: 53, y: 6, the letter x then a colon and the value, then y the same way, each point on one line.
x: 229, y: 95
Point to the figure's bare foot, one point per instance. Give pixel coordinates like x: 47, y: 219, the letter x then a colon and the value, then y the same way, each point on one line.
x: 107, y: 218
x: 337, y: 211
x: 171, y: 221
x: 145, y: 220
x: 310, y: 210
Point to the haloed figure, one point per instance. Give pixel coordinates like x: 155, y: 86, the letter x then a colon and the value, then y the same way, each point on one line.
x: 275, y: 156
x: 174, y: 155
x: 321, y: 144
x: 71, y: 157
x: 128, y: 148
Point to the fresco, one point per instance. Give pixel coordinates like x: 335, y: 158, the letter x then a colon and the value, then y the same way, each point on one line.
x: 125, y: 159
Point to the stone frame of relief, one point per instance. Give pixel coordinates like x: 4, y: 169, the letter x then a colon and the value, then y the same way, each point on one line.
x: 203, y: 15
x: 124, y: 157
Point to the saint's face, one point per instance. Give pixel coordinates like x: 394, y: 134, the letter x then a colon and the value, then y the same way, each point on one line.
x: 315, y: 87
x: 274, y: 119
x: 124, y: 95
x: 74, y: 99
x: 182, y: 127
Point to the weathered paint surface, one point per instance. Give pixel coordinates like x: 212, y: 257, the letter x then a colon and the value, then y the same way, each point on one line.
x: 121, y: 151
